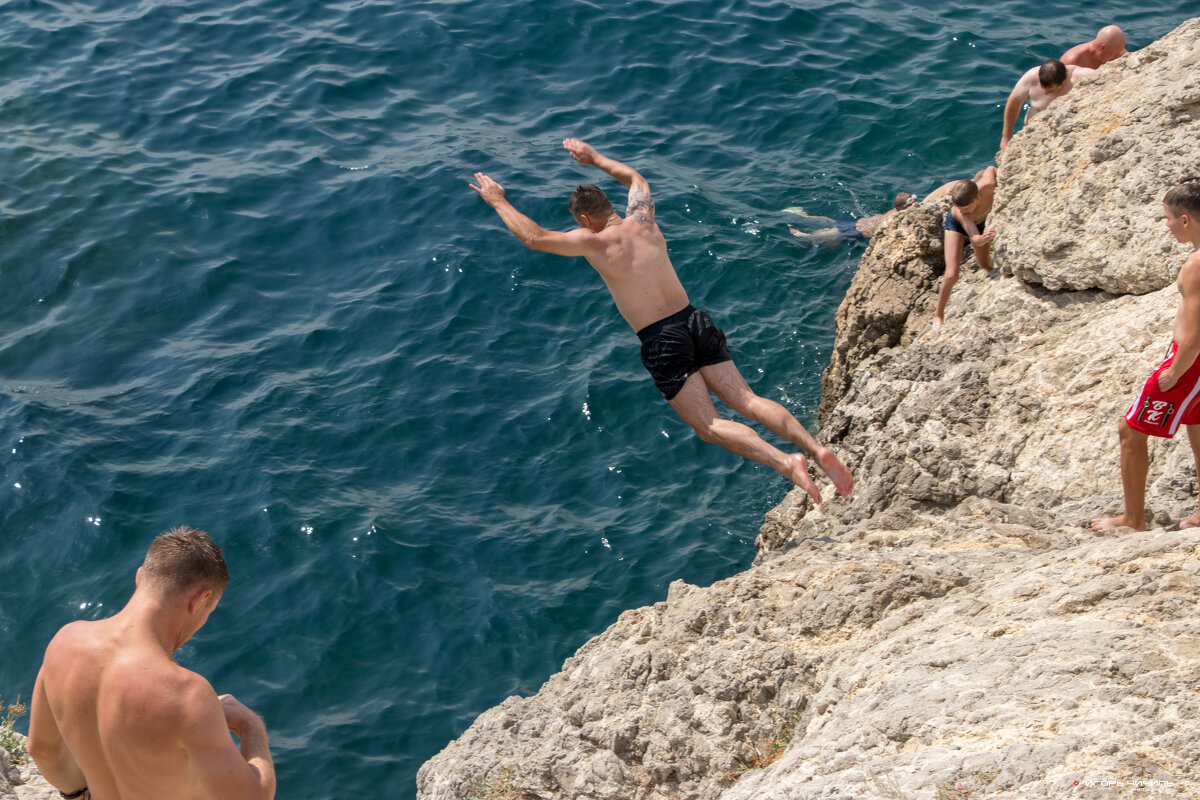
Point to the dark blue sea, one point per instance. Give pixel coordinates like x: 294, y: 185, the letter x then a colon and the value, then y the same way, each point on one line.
x: 244, y: 286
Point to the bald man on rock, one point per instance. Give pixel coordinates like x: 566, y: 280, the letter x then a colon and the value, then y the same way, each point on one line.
x: 1109, y: 44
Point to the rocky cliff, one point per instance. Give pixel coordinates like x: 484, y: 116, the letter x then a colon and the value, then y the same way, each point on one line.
x: 955, y: 629
x: 22, y: 780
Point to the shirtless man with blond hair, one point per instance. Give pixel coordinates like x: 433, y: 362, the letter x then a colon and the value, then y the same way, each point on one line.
x: 683, y: 350
x: 113, y: 717
x: 1041, y: 86
x: 1171, y: 396
x: 1109, y: 44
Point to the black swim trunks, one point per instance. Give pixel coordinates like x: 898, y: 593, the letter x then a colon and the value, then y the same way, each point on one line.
x: 675, y: 348
x: 953, y: 224
x: 848, y: 230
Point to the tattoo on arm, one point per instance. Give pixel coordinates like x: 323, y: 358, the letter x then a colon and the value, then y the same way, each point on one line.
x: 641, y: 205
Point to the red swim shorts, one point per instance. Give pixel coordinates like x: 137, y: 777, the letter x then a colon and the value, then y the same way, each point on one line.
x: 1159, y: 413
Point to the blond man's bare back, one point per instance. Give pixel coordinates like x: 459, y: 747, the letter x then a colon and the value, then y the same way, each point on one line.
x: 121, y: 706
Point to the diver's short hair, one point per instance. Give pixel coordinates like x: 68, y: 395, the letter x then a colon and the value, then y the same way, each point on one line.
x: 183, y: 559
x: 1052, y: 73
x: 1185, y: 199
x: 590, y: 199
x: 903, y: 200
x: 964, y: 192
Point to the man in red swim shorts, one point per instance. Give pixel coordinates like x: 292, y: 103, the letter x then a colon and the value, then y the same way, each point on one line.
x: 1170, y: 397
x: 1156, y: 412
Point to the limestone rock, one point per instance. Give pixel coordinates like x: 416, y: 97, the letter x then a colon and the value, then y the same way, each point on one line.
x: 891, y: 295
x: 8, y: 775
x: 1028, y: 678
x: 23, y: 781
x: 960, y: 646
x: 1016, y: 399
x: 1079, y: 204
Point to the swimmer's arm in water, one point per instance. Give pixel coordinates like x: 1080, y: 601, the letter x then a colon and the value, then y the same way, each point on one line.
x: 579, y: 242
x: 641, y: 202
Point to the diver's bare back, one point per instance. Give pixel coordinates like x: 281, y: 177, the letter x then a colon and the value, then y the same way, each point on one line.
x: 635, y: 267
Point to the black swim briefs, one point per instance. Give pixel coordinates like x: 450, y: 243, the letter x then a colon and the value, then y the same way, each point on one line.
x: 848, y: 230
x: 953, y: 224
x: 676, y: 347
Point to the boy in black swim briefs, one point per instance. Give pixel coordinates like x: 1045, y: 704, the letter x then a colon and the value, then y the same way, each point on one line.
x: 972, y: 200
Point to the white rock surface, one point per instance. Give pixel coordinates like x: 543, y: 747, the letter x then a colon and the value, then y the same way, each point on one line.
x: 1082, y: 185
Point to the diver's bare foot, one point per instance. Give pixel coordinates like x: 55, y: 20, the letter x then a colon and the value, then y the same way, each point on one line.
x: 1104, y: 523
x: 937, y: 322
x: 1191, y: 522
x: 836, y: 470
x: 797, y: 473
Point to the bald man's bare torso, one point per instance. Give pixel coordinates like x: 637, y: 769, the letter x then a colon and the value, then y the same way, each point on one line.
x: 1082, y: 55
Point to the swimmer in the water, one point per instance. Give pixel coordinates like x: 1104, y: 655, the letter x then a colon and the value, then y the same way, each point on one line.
x: 851, y: 230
